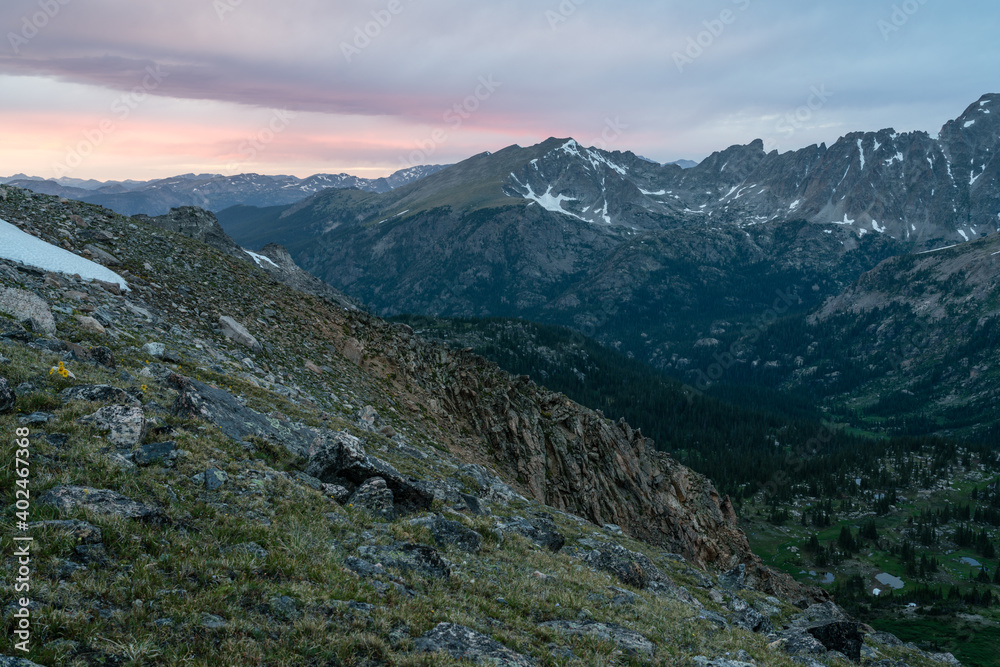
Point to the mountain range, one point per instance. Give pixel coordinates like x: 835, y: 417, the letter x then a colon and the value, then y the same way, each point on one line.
x: 212, y: 192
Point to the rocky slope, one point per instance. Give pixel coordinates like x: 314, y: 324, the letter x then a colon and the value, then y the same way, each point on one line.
x: 214, y: 192
x: 226, y: 470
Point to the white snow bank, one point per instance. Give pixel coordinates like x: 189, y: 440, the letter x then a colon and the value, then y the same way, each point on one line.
x: 260, y: 259
x: 19, y: 246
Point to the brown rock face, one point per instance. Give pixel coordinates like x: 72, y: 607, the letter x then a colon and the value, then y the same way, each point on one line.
x: 576, y: 461
x: 573, y: 459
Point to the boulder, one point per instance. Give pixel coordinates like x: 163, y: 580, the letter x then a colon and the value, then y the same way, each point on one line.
x: 447, y: 532
x: 373, y: 496
x: 238, y: 333
x: 126, y: 425
x: 91, y: 325
x: 155, y: 350
x: 340, y: 458
x: 629, y: 567
x: 215, y: 479
x: 408, y: 557
x: 153, y: 452
x: 464, y: 643
x: 99, y: 501
x: 540, y: 529
x: 629, y: 641
x: 8, y: 661
x: 197, y: 399
x: 24, y: 305
x: 98, y: 393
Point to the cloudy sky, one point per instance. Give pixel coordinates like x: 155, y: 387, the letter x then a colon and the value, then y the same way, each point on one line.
x: 148, y: 88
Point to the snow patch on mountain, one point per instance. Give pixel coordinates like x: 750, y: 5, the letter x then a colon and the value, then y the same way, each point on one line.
x: 19, y: 246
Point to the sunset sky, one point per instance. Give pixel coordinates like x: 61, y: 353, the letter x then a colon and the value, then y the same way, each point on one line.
x: 116, y: 89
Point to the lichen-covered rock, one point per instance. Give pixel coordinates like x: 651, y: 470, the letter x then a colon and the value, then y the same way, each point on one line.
x: 8, y: 661
x: 24, y: 305
x: 8, y: 397
x: 629, y: 567
x: 447, y: 532
x: 126, y: 425
x: 153, y: 452
x: 464, y: 643
x: 406, y: 556
x: 99, y: 501
x: 340, y: 458
x: 197, y: 399
x: 373, y: 496
x: 540, y: 529
x: 629, y: 641
x: 99, y: 393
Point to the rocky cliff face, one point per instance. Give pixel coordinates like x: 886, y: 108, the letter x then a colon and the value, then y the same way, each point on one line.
x: 575, y: 460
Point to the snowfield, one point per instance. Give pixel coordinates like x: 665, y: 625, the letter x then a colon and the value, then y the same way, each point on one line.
x: 29, y: 250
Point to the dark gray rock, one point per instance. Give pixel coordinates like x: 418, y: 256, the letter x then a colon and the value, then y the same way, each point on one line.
x: 629, y: 567
x: 99, y: 501
x: 735, y: 579
x: 197, y: 399
x: 36, y: 419
x: 284, y: 607
x: 341, y: 458
x: 540, y: 529
x: 307, y: 480
x: 373, y: 496
x: 100, y: 393
x: 409, y: 557
x: 629, y: 641
x: 153, y: 452
x: 842, y: 636
x: 215, y: 479
x: 7, y: 661
x: 464, y: 643
x: 447, y: 532
x: 8, y: 397
x: 748, y: 618
x: 91, y: 554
